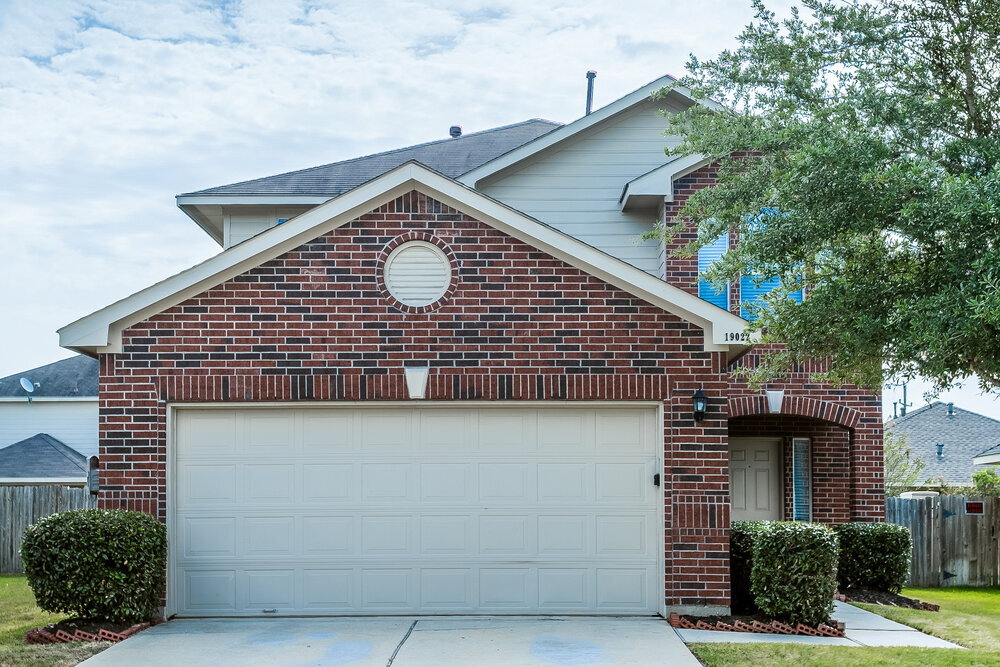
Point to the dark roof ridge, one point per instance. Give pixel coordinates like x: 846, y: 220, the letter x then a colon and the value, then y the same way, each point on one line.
x: 378, y: 154
x: 61, y: 447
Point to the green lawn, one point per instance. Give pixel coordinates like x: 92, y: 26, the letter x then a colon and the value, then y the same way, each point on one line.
x: 968, y: 616
x: 19, y: 614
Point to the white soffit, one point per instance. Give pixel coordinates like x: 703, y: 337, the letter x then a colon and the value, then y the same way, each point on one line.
x: 101, y: 331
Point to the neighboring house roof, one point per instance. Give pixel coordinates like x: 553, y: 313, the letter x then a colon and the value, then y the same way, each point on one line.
x: 990, y: 456
x: 101, y: 331
x: 451, y: 157
x: 41, y: 458
x: 964, y: 434
x: 70, y: 378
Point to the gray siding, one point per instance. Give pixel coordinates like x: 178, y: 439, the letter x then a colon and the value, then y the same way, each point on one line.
x: 575, y: 186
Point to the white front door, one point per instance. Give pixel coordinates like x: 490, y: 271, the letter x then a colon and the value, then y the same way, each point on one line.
x: 395, y: 510
x: 755, y: 479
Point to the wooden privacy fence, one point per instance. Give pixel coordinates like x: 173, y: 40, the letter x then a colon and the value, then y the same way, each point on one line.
x: 953, y: 544
x: 21, y: 506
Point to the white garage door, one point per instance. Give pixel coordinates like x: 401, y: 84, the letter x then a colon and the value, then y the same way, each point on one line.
x: 403, y: 510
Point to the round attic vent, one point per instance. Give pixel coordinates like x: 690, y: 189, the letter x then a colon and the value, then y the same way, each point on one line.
x: 417, y: 273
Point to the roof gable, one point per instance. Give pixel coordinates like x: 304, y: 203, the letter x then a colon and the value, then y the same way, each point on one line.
x: 41, y: 456
x: 101, y: 331
x: 571, y: 130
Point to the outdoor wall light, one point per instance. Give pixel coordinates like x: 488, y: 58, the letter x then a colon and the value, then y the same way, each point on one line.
x: 774, y: 400
x: 700, y: 405
x: 416, y: 380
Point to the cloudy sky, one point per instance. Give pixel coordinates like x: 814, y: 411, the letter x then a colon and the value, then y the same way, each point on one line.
x: 110, y: 108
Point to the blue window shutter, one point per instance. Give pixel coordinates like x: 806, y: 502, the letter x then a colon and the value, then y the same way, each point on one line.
x: 706, y: 257
x: 801, y: 479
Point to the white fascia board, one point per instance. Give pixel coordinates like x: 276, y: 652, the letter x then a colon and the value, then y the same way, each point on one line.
x: 987, y: 459
x: 48, y: 399
x: 643, y: 94
x: 250, y: 200
x: 101, y: 331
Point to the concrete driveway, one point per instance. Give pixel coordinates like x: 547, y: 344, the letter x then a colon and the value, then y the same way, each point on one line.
x: 404, y: 642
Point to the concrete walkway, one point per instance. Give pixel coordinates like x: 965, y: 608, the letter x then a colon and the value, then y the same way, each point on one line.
x: 863, y: 628
x: 404, y: 642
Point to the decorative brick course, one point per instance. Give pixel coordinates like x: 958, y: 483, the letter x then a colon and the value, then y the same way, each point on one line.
x: 517, y: 324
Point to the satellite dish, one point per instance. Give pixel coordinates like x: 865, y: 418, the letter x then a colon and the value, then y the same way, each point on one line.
x: 28, y: 386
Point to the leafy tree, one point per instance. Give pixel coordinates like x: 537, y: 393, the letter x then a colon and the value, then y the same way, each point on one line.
x: 858, y: 149
x: 986, y: 483
x: 902, y: 467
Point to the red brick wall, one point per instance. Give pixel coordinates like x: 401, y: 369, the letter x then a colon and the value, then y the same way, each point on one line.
x: 315, y: 325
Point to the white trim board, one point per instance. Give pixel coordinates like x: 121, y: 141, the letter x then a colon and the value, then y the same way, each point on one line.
x: 100, y: 332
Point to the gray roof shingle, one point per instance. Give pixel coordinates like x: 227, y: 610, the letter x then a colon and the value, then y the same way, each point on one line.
x: 965, y: 434
x: 451, y: 157
x: 76, y: 376
x: 42, y: 456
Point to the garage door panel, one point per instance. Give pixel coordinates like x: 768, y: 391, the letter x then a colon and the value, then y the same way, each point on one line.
x: 566, y: 430
x: 205, y: 485
x: 445, y: 482
x: 508, y: 535
x: 269, y: 589
x: 452, y: 535
x: 399, y: 510
x: 327, y: 432
x: 327, y: 483
x: 268, y: 483
x: 269, y: 432
x: 208, y: 537
x: 506, y: 482
x: 328, y: 589
x: 328, y: 536
x: 269, y: 536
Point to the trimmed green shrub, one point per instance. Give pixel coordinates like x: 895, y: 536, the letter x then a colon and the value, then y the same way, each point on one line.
x: 741, y: 536
x: 875, y: 556
x: 794, y: 573
x: 103, y: 564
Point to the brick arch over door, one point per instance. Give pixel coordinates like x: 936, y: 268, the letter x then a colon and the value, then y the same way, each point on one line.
x: 802, y: 406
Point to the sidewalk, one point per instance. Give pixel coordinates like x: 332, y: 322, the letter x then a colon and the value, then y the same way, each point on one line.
x: 863, y: 628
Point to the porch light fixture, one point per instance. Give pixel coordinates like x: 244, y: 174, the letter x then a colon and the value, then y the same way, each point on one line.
x: 416, y: 380
x: 700, y: 405
x: 774, y: 400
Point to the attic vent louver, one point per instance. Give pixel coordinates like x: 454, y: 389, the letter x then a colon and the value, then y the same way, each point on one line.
x: 455, y: 131
x: 417, y: 273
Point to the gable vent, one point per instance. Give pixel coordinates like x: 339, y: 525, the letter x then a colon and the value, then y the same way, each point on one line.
x: 417, y: 273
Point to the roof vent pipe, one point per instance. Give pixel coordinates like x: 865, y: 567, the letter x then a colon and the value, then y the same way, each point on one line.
x: 940, y: 450
x: 590, y: 90
x: 455, y: 131
x: 951, y: 409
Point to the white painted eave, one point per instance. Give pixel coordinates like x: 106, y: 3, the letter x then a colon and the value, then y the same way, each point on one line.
x: 101, y: 331
x: 987, y: 459
x: 657, y: 185
x: 251, y: 200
